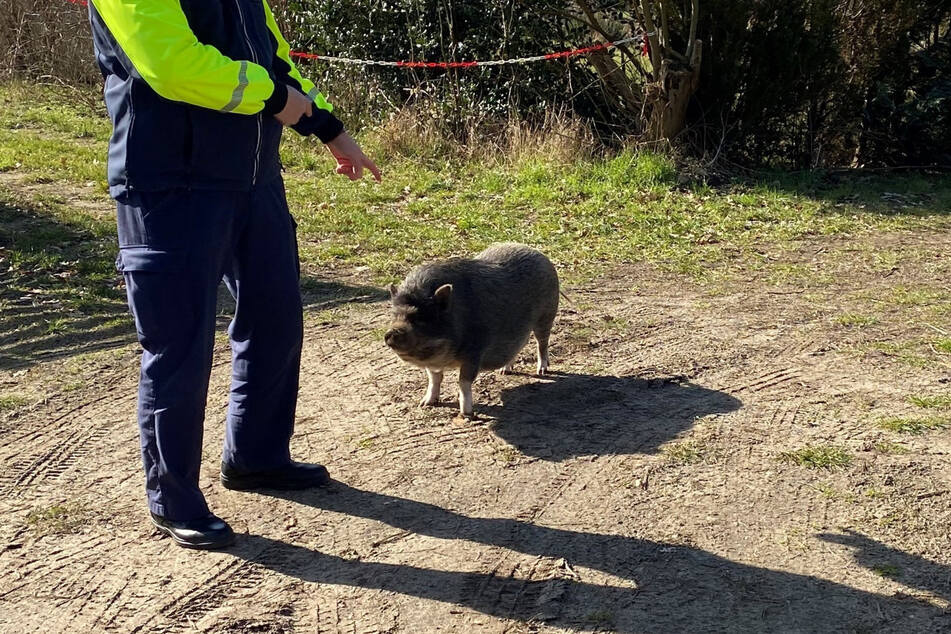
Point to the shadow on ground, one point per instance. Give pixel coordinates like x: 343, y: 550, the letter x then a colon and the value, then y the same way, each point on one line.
x: 60, y: 294
x: 58, y: 287
x: 918, y: 193
x: 886, y: 561
x: 665, y: 588
x: 579, y: 414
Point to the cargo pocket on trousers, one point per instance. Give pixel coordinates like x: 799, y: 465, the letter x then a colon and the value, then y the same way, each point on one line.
x: 144, y: 259
x: 155, y: 287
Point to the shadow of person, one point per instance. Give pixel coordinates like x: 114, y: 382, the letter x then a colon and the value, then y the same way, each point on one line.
x: 886, y: 561
x: 579, y: 414
x: 318, y: 293
x: 658, y: 586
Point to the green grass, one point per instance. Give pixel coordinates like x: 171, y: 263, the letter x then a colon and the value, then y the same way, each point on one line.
x: 600, y: 618
x: 940, y: 401
x: 890, y: 448
x: 368, y: 442
x: 818, y: 457
x: 683, y: 453
x: 910, y: 353
x: 914, y: 426
x: 10, y: 402
x: 886, y: 570
x: 856, y: 320
x: 58, y: 520
x: 586, y: 214
x: 918, y: 296
x: 60, y: 283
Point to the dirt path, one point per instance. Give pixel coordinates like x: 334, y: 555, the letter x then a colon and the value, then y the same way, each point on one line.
x: 639, y: 490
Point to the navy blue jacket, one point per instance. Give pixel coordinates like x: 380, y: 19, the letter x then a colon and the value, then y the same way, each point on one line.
x: 160, y: 143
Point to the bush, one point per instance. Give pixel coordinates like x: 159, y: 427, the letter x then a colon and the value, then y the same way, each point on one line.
x: 46, y: 39
x: 784, y: 84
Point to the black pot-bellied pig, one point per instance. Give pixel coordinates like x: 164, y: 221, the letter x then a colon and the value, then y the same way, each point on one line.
x: 474, y: 314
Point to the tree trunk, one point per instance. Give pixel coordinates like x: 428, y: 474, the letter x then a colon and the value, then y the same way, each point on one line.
x: 667, y: 98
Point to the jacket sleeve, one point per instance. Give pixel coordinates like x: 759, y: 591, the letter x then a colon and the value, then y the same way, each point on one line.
x: 166, y: 54
x: 322, y: 123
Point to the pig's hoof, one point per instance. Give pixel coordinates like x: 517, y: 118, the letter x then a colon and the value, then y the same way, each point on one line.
x: 542, y: 370
x: 509, y: 369
x: 429, y: 402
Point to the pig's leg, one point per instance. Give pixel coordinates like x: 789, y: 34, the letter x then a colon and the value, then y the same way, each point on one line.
x: 432, y: 392
x: 542, y: 335
x: 467, y: 374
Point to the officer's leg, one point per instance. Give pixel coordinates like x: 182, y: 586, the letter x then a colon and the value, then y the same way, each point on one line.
x: 172, y: 251
x: 266, y: 335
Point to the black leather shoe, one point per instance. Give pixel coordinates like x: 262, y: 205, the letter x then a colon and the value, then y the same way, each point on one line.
x: 207, y: 533
x: 296, y: 475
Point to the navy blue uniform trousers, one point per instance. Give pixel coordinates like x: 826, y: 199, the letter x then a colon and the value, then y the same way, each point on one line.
x: 175, y: 247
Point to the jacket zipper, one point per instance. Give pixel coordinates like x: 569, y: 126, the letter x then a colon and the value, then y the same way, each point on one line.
x: 254, y: 58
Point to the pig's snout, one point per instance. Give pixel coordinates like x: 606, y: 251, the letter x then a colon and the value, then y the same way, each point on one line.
x: 396, y: 338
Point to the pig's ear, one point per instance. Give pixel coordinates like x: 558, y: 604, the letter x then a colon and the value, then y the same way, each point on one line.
x: 443, y: 296
x: 392, y: 291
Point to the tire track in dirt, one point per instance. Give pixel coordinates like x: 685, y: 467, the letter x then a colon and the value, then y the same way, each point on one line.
x: 333, y: 617
x: 68, y: 559
x: 39, y: 422
x: 786, y: 414
x: 765, y: 381
x: 431, y: 437
x: 60, y: 448
x: 101, y: 620
x: 499, y: 588
x: 180, y: 613
x: 338, y: 616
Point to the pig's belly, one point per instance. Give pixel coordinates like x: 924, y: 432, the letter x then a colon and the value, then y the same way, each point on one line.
x: 500, y: 351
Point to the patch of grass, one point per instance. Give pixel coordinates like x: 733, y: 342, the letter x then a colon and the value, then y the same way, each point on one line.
x: 683, y: 453
x: 827, y: 490
x: 367, y: 442
x: 57, y: 326
x: 856, y: 320
x: 585, y: 212
x: 918, y: 296
x: 64, y: 259
x: 940, y: 401
x: 799, y: 275
x: 891, y: 448
x: 914, y: 426
x: 943, y: 345
x: 61, y: 519
x: 874, y: 493
x: 12, y: 401
x: 46, y: 159
x: 508, y: 454
x: 818, y: 457
x: 906, y: 352
x: 886, y: 570
x: 600, y: 618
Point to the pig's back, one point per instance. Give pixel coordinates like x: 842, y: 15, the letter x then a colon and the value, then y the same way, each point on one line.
x: 516, y: 292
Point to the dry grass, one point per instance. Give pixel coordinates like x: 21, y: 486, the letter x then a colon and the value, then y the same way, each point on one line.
x: 417, y: 131
x: 46, y: 39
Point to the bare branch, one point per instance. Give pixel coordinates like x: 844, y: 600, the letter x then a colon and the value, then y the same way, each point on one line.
x: 590, y: 19
x: 664, y: 28
x: 651, y: 36
x: 694, y: 17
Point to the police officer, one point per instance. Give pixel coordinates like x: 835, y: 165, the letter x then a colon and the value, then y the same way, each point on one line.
x: 198, y: 92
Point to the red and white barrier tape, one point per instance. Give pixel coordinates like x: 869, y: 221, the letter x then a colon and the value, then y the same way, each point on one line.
x: 466, y: 64
x: 445, y: 65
